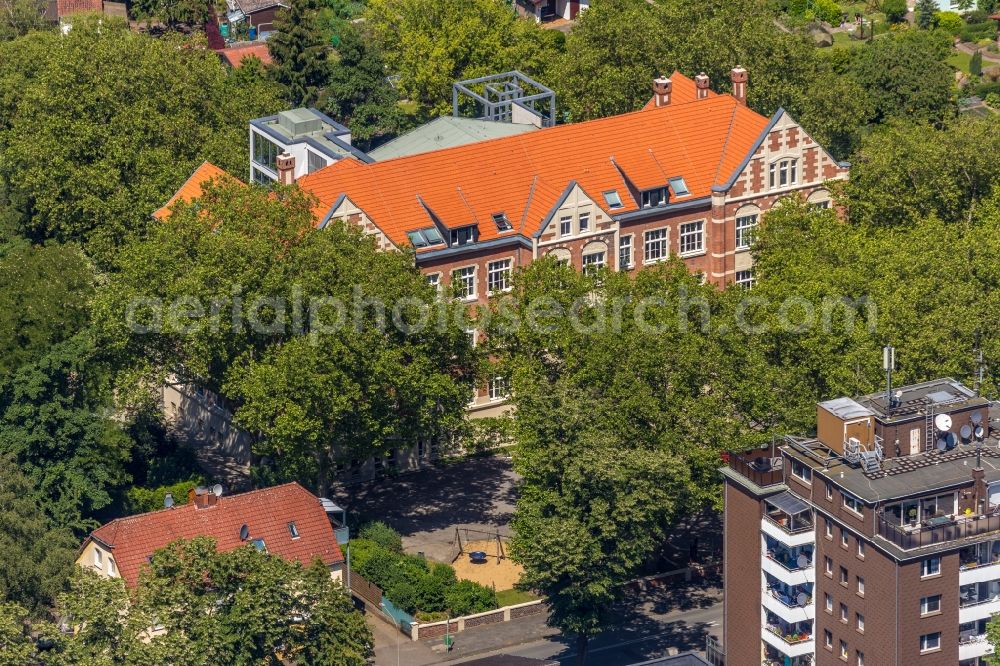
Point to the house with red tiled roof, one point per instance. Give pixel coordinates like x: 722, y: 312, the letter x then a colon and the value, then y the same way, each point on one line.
x: 193, y: 187
x: 287, y: 521
x: 234, y: 55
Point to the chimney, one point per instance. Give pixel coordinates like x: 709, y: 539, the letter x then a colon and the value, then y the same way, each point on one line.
x: 701, y: 83
x: 202, y: 498
x: 738, y: 76
x: 286, y: 168
x: 661, y: 91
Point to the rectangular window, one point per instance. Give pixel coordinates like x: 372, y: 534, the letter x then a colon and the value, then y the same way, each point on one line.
x: 930, y: 567
x: 744, y: 279
x: 679, y: 187
x: 844, y: 538
x: 265, y: 152
x: 930, y: 605
x: 843, y: 612
x: 827, y: 638
x: 930, y: 642
x: 771, y: 170
x: 98, y: 558
x: 691, y: 237
x: 859, y: 621
x: 829, y: 490
x: 612, y: 199
x: 843, y: 649
x: 745, y: 226
x: 498, y: 276
x: 498, y: 388
x: 434, y: 280
x: 503, y: 224
x: 464, y: 280
x: 293, y: 530
x: 624, y: 252
x: 262, y: 178
x: 314, y: 161
x: 565, y: 225
x: 852, y: 503
x: 592, y: 262
x: 861, y: 658
x: 828, y: 565
x: 112, y: 569
x: 584, y: 222
x: 829, y: 528
x: 843, y: 575
x: 463, y: 236
x: 861, y: 585
x: 801, y: 470
x: 861, y: 549
x: 654, y: 198
x: 655, y: 246
x: 828, y: 602
x: 424, y: 237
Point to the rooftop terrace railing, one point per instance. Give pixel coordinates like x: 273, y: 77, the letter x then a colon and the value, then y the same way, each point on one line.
x: 762, y: 473
x: 960, y: 527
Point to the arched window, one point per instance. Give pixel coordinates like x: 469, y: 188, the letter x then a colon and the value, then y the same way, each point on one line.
x: 819, y: 199
x: 561, y: 255
x: 595, y: 256
x: 747, y: 219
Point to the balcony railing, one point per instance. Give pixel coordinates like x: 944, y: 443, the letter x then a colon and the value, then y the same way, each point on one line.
x: 792, y: 638
x: 786, y: 562
x: 969, y: 639
x: 928, y: 535
x: 791, y: 524
x: 762, y: 473
x: 789, y: 600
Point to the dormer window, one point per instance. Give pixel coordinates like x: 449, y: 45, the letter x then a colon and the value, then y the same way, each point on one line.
x: 654, y: 198
x: 503, y: 224
x: 612, y: 199
x: 463, y: 235
x: 679, y: 187
x: 425, y: 237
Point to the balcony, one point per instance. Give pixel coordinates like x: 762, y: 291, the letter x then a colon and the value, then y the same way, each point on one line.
x: 789, y: 642
x: 978, y: 601
x: 773, y: 657
x: 936, y: 531
x: 793, y: 604
x: 971, y: 646
x: 788, y: 520
x: 763, y: 470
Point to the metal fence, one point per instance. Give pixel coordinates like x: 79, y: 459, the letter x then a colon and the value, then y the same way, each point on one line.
x: 402, y: 619
x: 714, y: 652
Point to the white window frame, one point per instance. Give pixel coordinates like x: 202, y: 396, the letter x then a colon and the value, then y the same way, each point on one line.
x: 926, y: 567
x: 566, y: 225
x: 434, y: 280
x: 98, y: 558
x: 628, y: 242
x: 859, y: 622
x: 927, y: 646
x: 583, y: 222
x: 662, y: 242
x: 744, y: 279
x: 498, y: 276
x: 801, y: 471
x: 783, y: 172
x: 853, y: 503
x: 860, y: 583
x: 694, y: 235
x: 590, y: 264
x: 457, y: 274
x: 745, y: 225
x: 925, y: 605
x: 498, y: 388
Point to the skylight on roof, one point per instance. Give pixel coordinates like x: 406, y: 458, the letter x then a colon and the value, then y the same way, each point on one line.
x: 503, y: 224
x: 425, y: 237
x: 679, y: 187
x: 293, y: 530
x: 612, y: 199
x: 259, y: 545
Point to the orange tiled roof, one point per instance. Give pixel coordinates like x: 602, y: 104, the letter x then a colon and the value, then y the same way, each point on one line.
x: 192, y: 188
x: 524, y: 176
x: 235, y: 54
x: 265, y: 512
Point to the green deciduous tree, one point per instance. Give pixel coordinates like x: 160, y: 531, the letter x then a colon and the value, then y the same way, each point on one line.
x: 241, y: 607
x: 334, y: 376
x: 174, y: 13
x: 18, y: 17
x: 434, y: 43
x: 16, y: 647
x: 100, y: 126
x: 301, y: 62
x: 895, y: 12
x: 358, y: 92
x: 44, y: 296
x: 906, y: 76
x: 35, y: 557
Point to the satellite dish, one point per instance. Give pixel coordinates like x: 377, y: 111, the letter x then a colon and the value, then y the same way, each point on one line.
x: 168, y: 500
x: 802, y: 561
x: 951, y: 440
x: 976, y: 417
x: 801, y: 598
x: 979, y: 432
x: 966, y: 431
x: 942, y: 422
x: 217, y: 490
x: 244, y: 533
x: 942, y: 444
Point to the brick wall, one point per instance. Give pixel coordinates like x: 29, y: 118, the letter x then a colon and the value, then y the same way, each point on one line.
x: 741, y: 571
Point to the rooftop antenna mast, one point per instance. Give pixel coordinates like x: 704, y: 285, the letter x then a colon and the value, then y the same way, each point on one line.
x: 980, y: 370
x: 888, y: 364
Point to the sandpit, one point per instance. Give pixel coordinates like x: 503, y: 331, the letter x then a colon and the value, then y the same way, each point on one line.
x: 502, y: 573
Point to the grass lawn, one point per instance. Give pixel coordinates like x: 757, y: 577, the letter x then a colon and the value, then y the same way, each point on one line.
x: 959, y: 60
x: 841, y: 40
x: 511, y: 597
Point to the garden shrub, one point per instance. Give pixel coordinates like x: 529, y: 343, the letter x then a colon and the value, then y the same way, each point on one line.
x: 973, y: 32
x: 828, y: 10
x: 383, y: 535
x: 466, y: 598
x: 142, y: 500
x: 950, y: 22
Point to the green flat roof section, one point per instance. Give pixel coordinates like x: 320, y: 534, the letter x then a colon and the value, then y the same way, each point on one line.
x: 446, y: 132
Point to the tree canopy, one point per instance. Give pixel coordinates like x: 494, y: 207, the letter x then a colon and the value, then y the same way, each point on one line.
x: 100, y: 126
x: 301, y: 57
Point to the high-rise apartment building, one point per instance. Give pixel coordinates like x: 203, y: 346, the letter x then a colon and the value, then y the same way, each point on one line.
x: 875, y: 543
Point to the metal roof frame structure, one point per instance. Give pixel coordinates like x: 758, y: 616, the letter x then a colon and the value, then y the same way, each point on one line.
x: 498, y: 93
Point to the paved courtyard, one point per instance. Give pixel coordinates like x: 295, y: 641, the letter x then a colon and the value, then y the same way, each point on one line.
x: 426, y: 506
